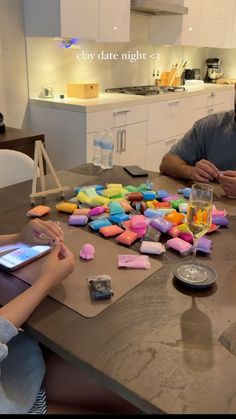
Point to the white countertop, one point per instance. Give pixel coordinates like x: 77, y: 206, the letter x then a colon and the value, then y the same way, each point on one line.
x: 119, y: 100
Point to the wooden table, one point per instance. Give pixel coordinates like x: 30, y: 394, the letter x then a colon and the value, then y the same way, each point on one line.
x: 158, y: 345
x: 20, y: 140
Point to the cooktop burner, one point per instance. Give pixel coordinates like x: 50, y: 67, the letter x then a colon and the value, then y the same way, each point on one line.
x: 144, y: 90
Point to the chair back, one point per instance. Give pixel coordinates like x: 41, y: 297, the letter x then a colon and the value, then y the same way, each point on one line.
x: 15, y: 167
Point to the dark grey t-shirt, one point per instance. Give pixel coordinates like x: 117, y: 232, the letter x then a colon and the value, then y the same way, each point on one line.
x: 211, y: 138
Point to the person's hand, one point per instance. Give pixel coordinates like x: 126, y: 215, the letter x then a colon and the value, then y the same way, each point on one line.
x: 41, y: 232
x: 59, y: 264
x: 227, y: 181
x: 204, y: 171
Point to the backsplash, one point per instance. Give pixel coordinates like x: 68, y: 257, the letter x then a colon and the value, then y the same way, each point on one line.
x: 113, y: 64
x: 109, y: 64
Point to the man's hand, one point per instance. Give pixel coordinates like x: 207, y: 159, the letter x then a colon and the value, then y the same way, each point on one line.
x: 204, y: 171
x: 227, y: 181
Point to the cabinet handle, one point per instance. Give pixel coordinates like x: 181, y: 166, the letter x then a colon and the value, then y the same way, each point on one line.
x: 120, y: 112
x: 212, y: 94
x: 176, y: 102
x: 118, y: 141
x: 123, y: 140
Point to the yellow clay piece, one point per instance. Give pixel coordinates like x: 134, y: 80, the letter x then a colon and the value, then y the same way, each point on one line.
x: 66, y: 207
x: 83, y: 198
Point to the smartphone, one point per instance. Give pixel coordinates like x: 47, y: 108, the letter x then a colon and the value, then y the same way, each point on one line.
x: 135, y: 171
x: 22, y: 256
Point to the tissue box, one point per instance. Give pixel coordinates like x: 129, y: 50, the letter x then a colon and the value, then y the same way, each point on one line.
x: 83, y: 90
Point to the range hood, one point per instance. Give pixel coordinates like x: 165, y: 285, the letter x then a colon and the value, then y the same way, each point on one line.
x: 158, y: 7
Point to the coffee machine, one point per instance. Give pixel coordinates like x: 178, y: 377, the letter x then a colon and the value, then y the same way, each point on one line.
x: 214, y: 70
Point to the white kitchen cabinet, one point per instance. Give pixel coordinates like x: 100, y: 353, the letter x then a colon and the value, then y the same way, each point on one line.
x: 156, y: 151
x: 100, y: 20
x: 129, y: 129
x: 168, y: 118
x: 217, y: 23
x: 114, y: 22
x: 129, y: 145
x: 178, y: 29
x: 211, y: 102
x: 233, y: 38
x: 209, y: 23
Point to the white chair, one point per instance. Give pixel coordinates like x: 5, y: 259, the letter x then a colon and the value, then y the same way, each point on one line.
x: 15, y: 167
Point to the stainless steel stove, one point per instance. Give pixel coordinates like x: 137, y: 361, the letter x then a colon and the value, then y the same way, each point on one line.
x: 145, y: 90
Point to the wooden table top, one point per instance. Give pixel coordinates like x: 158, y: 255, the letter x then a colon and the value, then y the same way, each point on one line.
x: 158, y: 346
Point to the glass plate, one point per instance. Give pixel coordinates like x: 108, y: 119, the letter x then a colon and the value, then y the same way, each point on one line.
x: 211, y: 278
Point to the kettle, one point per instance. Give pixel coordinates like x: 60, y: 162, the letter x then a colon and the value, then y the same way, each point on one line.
x: 46, y: 92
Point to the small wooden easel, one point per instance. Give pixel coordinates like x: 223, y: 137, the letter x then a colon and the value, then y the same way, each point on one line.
x: 39, y: 153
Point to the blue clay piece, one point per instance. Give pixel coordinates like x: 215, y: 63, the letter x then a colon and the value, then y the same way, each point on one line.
x: 95, y: 225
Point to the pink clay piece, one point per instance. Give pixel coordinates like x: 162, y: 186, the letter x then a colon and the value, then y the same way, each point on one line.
x: 87, y: 251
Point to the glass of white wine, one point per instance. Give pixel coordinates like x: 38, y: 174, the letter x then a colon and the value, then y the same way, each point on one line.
x: 199, y: 218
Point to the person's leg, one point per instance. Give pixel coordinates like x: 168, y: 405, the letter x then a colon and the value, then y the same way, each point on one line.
x: 68, y: 385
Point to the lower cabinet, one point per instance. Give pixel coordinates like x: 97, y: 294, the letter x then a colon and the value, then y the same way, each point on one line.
x: 129, y: 144
x: 157, y: 150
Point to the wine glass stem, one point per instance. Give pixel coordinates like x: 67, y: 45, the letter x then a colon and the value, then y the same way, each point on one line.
x: 194, y: 250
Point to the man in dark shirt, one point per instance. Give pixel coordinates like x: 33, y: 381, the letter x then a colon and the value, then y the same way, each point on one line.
x: 206, y: 152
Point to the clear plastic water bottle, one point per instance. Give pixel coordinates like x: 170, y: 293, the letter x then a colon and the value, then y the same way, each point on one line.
x: 107, y: 147
x: 97, y: 142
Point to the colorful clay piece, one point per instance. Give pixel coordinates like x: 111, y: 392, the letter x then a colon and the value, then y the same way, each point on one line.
x: 161, y: 193
x: 186, y: 192
x: 119, y: 218
x: 221, y: 221
x: 87, y: 251
x: 134, y: 196
x: 204, y: 245
x: 97, y: 224
x: 127, y: 237
x: 161, y: 224
x: 149, y: 195
x: 152, y: 235
x: 115, y: 208
x: 66, y: 207
x: 134, y: 261
x: 38, y: 211
x: 152, y: 248
x: 175, y: 218
x: 75, y: 220
x: 110, y: 231
x: 97, y: 211
x: 138, y: 221
x: 187, y: 237
x: 81, y: 211
x: 183, y: 207
x: 184, y: 248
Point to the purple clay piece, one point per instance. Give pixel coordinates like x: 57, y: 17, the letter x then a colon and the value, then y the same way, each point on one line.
x: 87, y: 252
x: 222, y: 221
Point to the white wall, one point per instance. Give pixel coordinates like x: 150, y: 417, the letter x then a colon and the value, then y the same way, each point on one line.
x: 13, y: 75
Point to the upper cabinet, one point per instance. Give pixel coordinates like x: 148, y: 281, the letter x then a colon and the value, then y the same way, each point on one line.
x: 99, y: 20
x: 114, y: 21
x: 217, y: 23
x: 178, y: 29
x: 209, y: 23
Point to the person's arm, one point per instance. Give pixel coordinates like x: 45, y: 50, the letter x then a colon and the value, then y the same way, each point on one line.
x: 55, y: 270
x: 203, y: 171
x: 174, y: 166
